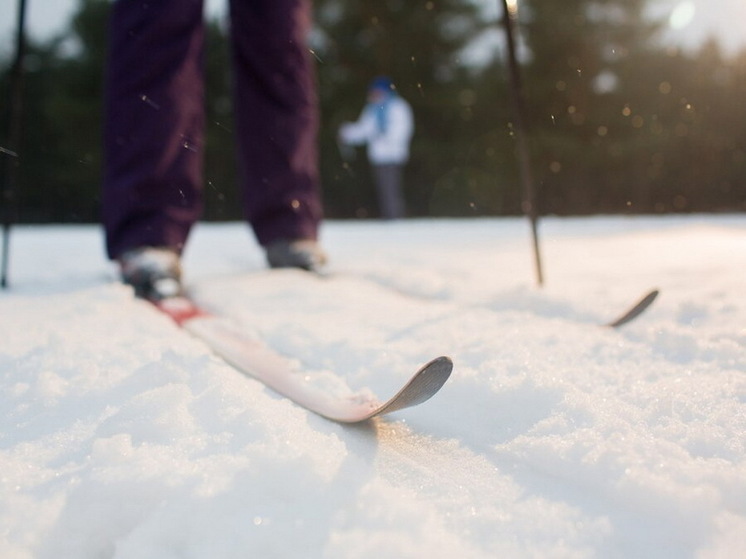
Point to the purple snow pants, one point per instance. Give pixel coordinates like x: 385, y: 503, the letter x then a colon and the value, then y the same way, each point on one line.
x: 154, y: 121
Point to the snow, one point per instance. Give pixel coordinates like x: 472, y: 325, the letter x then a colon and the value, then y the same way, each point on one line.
x: 122, y: 436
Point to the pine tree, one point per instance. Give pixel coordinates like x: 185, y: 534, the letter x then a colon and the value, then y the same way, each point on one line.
x: 579, y: 70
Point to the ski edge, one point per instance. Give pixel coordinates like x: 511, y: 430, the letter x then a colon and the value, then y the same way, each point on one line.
x: 636, y: 310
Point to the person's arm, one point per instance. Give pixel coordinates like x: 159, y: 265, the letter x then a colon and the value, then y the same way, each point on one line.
x: 358, y: 132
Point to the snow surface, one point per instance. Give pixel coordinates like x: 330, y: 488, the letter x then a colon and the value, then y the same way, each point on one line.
x: 123, y: 436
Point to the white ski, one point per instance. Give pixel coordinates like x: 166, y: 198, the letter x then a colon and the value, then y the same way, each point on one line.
x: 256, y: 359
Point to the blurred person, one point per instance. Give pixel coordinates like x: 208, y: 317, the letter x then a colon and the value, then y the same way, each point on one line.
x: 386, y: 125
x: 154, y: 134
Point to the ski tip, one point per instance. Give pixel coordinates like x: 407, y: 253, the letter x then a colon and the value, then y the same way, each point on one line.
x: 636, y: 310
x: 434, y: 375
x: 422, y: 386
x: 425, y: 383
x: 440, y: 367
x: 443, y: 363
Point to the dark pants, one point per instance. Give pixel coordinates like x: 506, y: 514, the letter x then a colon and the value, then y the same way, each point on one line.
x: 389, y: 188
x: 154, y: 121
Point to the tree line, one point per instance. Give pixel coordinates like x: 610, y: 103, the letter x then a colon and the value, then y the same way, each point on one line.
x: 618, y: 122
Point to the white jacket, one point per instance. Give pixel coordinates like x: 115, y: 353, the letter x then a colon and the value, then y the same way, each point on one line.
x: 391, y: 146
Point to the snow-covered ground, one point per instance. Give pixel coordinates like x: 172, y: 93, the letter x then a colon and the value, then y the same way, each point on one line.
x: 122, y: 436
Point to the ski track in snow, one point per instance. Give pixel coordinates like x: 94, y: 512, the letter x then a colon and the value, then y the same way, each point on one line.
x: 123, y: 436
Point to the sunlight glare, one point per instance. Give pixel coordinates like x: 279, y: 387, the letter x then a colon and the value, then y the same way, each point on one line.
x: 682, y: 15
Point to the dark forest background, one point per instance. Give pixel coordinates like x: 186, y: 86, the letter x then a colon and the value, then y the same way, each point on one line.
x: 619, y: 123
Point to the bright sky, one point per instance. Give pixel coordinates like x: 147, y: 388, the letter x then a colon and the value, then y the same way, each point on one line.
x: 690, y: 21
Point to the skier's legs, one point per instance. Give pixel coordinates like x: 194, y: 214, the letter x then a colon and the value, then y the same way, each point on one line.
x: 154, y: 120
x: 276, y: 118
x: 389, y: 189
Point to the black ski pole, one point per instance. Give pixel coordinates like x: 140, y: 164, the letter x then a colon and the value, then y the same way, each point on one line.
x: 10, y: 154
x: 521, y: 134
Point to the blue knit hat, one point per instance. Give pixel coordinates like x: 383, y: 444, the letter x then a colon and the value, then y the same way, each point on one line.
x: 381, y: 83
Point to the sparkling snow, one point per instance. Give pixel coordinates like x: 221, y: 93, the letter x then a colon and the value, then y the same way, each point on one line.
x: 122, y: 436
